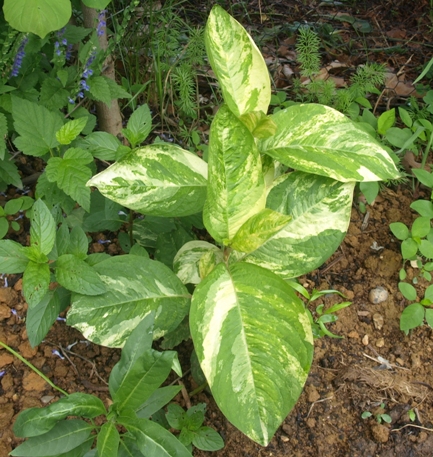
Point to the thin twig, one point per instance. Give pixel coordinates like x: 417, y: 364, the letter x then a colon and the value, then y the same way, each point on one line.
x: 412, y: 425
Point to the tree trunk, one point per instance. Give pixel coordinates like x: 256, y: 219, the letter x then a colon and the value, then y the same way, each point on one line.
x: 109, y: 117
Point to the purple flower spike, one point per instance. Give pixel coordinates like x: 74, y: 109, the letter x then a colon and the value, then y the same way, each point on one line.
x: 71, y: 101
x: 84, y: 85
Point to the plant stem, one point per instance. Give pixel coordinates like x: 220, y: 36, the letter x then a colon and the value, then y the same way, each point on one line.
x: 131, y: 228
x: 198, y: 390
x: 33, y: 368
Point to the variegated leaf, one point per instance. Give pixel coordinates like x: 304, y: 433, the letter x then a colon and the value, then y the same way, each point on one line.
x: 236, y: 189
x: 135, y: 286
x: 186, y: 263
x: 320, y: 211
x: 260, y: 125
x: 254, y: 343
x: 237, y: 63
x: 157, y: 180
x: 258, y: 229
x: 319, y: 139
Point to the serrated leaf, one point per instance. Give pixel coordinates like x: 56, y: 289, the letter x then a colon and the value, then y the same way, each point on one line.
x: 237, y: 63
x: 9, y: 173
x: 53, y: 195
x: 411, y: 317
x: 158, y: 180
x: 154, y: 440
x: 139, y: 125
x: 108, y: 440
x: 102, y: 145
x: 241, y: 334
x: 186, y: 261
x: 71, y: 130
x: 36, y: 282
x: 135, y: 286
x: 41, y: 317
x: 320, y: 211
x: 53, y: 95
x: 236, y: 189
x: 258, y: 229
x: 42, y: 228
x: 321, y: 140
x: 207, y: 439
x: 71, y: 174
x: 99, y: 89
x: 77, y: 276
x: 63, y: 437
x: 36, y: 125
x: 103, y: 215
x: 13, y: 258
x: 39, y: 16
x: 117, y: 91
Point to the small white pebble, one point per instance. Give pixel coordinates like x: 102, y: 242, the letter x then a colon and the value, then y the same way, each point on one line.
x: 378, y: 295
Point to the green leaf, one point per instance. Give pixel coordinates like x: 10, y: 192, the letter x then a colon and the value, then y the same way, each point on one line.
x: 36, y: 282
x: 176, y: 416
x: 242, y: 334
x: 139, y: 340
x: 63, y: 437
x: 3, y: 133
x: 13, y: 206
x: 407, y: 290
x: 187, y: 260
x: 99, y: 5
x: 78, y: 243
x: 42, y: 228
x: 139, y: 125
x: 207, y: 439
x: 102, y: 145
x: 158, y: 180
x: 76, y: 275
x: 320, y: 211
x: 99, y: 89
x: 71, y: 130
x: 405, y: 117
x: 13, y: 258
x: 71, y: 174
x: 421, y: 227
x: 36, y: 125
x: 409, y: 248
x: 148, y: 372
x: 154, y: 440
x: 424, y: 177
x: 135, y: 286
x: 37, y: 421
x: 423, y: 207
x: 236, y: 189
x: 108, y: 440
x: 104, y: 214
x: 41, y: 317
x: 386, y: 120
x: 429, y: 317
x: 53, y: 195
x: 38, y: 16
x: 9, y: 173
x: 399, y: 230
x: 260, y: 125
x: 157, y: 400
x: 411, y: 317
x: 318, y: 139
x: 370, y: 190
x: 237, y: 63
x: 53, y: 95
x: 426, y: 249
x: 429, y: 293
x: 258, y: 229
x: 4, y: 227
x: 117, y: 91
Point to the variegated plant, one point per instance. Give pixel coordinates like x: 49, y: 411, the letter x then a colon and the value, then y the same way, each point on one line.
x: 251, y: 333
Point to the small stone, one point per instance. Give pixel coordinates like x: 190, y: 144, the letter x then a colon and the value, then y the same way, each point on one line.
x: 353, y: 334
x: 400, y: 361
x: 46, y: 399
x: 365, y: 340
x: 380, y: 343
x: 378, y: 295
x: 378, y: 321
x: 284, y: 438
x: 312, y: 393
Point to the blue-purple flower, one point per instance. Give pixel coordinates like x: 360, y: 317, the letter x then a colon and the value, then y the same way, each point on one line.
x: 18, y: 61
x: 100, y: 28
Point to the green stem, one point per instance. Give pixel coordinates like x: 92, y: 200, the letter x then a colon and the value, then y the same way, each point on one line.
x: 198, y: 390
x: 131, y: 228
x: 33, y: 368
